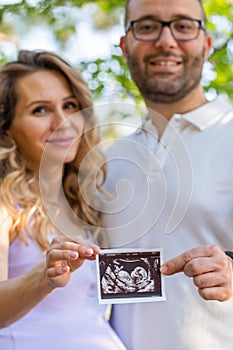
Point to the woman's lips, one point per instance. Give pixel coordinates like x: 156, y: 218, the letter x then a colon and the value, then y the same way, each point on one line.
x: 62, y: 142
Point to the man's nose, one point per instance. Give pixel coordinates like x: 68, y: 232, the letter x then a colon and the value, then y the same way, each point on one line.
x: 166, y: 39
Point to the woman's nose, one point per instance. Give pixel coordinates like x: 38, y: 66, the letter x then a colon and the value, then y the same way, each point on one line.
x: 60, y: 119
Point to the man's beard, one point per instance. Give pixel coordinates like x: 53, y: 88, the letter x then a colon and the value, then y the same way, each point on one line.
x: 162, y: 87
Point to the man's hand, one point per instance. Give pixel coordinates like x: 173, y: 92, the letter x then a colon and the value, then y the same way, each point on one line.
x: 210, y: 268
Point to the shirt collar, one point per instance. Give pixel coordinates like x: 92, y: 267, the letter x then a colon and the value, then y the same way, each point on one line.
x: 208, y: 114
x: 202, y: 117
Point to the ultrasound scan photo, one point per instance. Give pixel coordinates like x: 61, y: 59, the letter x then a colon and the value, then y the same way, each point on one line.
x: 133, y: 274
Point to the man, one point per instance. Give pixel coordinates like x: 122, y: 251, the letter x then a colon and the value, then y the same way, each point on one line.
x: 177, y: 188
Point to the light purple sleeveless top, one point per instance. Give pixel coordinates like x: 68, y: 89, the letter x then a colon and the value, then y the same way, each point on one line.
x: 69, y: 318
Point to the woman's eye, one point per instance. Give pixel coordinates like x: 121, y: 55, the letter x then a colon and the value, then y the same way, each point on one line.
x: 71, y: 105
x: 39, y: 110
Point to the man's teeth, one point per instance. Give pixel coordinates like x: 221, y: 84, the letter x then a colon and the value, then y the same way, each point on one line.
x: 165, y: 63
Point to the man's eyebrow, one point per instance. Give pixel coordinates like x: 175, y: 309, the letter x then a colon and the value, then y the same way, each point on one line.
x: 144, y: 17
x: 174, y: 17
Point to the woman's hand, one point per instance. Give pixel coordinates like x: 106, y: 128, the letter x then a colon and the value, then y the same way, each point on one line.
x: 65, y: 256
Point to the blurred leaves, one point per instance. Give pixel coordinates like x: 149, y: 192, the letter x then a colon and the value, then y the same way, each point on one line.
x: 220, y: 25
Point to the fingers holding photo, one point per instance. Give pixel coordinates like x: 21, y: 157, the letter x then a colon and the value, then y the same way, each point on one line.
x: 210, y: 269
x: 66, y: 255
x: 86, y: 249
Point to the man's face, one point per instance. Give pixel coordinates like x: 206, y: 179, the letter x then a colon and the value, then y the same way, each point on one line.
x: 166, y: 70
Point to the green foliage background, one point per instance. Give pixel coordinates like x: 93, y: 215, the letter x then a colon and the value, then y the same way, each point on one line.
x: 55, y: 13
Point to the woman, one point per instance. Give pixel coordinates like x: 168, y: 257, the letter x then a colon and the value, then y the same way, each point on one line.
x: 47, y: 129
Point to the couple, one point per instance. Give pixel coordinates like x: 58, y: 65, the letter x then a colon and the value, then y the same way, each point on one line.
x: 47, y: 298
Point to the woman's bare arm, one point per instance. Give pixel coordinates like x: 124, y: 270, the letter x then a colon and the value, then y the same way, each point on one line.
x: 21, y: 294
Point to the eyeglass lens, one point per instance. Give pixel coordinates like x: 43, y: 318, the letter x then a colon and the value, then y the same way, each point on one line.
x: 148, y: 29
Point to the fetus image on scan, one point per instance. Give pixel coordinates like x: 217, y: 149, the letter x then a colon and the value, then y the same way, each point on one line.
x: 130, y: 274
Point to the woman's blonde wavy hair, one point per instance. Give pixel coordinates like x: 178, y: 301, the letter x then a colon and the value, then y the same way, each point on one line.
x: 16, y: 195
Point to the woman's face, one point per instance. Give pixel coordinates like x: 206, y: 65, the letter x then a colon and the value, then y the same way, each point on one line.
x: 45, y: 104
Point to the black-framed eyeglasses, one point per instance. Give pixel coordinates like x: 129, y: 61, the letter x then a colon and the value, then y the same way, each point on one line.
x: 150, y: 29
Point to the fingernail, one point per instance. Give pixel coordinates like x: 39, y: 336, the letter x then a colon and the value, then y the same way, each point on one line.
x: 89, y: 251
x: 65, y: 268
x: 96, y: 250
x: 163, y: 269
x: 73, y: 255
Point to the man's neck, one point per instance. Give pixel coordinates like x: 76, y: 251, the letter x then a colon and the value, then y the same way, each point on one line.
x: 161, y: 113
x: 187, y: 104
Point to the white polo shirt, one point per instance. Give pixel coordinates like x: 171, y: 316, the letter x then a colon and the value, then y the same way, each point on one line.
x: 175, y: 193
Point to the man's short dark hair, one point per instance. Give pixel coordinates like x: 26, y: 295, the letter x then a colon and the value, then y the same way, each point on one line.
x: 127, y: 10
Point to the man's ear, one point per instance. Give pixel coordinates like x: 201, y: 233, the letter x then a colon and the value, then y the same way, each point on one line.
x: 123, y: 48
x: 208, y: 45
